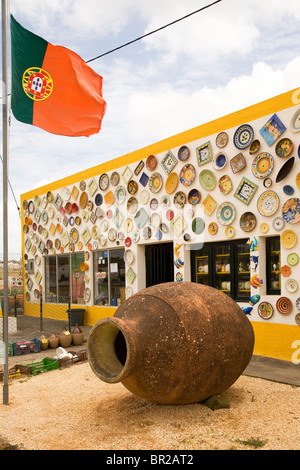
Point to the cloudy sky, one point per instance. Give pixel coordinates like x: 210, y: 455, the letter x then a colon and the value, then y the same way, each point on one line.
x: 229, y: 56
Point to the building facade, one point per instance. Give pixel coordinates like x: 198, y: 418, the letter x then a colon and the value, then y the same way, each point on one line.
x: 218, y: 204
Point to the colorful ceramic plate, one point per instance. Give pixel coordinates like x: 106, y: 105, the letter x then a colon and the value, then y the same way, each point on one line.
x: 151, y: 163
x: 132, y: 187
x: 243, y: 136
x: 103, y: 181
x: 98, y: 199
x: 207, y: 180
x: 128, y: 257
x: 144, y: 179
x: 285, y: 169
x: 226, y: 213
x: 284, y: 147
x: 262, y: 165
x: 222, y: 140
x: 293, y: 259
x: 169, y: 162
x: 264, y: 228
x: 115, y: 178
x: 83, y: 200
x: 225, y: 184
x: 291, y: 210
x: 291, y: 286
x: 171, y: 183
x: 132, y: 205
x: 278, y: 223
x: 265, y: 310
x: 120, y: 194
x: 288, y: 190
x: 254, y: 147
x: 198, y: 225
x: 220, y: 161
x: 237, y: 163
x: 213, y: 228
x: 297, y: 318
x: 179, y: 199
x: 229, y: 231
x: 272, y: 129
x: 295, y: 121
x: 183, y: 153
x: 165, y: 202
x: 194, y: 196
x: 248, y: 222
x: 268, y: 203
x: 284, y: 305
x: 288, y: 239
x: 155, y: 182
x: 187, y: 174
x: 139, y: 168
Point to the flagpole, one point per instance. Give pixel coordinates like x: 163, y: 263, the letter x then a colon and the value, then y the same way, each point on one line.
x: 5, y: 201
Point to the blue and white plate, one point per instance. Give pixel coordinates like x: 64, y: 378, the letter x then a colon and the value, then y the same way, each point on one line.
x: 243, y: 136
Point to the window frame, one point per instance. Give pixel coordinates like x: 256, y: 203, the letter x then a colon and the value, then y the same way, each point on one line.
x: 109, y: 252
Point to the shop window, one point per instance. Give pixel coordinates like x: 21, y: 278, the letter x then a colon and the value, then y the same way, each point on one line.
x: 273, y: 265
x: 109, y: 277
x: 225, y: 266
x: 64, y: 280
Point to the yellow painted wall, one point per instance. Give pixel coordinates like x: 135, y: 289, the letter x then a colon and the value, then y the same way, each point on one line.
x: 271, y: 339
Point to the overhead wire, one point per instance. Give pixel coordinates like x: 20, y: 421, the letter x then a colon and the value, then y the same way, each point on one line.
x: 128, y: 44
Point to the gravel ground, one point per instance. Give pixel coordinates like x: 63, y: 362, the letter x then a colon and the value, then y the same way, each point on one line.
x: 71, y: 409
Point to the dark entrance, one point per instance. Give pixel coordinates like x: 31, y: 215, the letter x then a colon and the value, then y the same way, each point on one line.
x: 159, y: 263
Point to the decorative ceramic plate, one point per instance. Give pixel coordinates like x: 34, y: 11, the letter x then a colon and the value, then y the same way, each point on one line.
x: 139, y: 168
x: 291, y: 286
x: 83, y: 200
x: 267, y: 182
x: 265, y: 310
x: 285, y: 169
x: 204, y: 154
x: 209, y: 204
x: 226, y: 213
x: 155, y: 183
x: 237, y: 163
x: 243, y: 136
x: 207, y: 180
x: 293, y: 259
x: 291, y: 211
x: 262, y: 165
x: 264, y: 228
x: 109, y: 198
x: 144, y: 197
x: 179, y: 200
x: 213, y: 228
x: 187, y: 174
x: 103, y: 181
x: 248, y: 222
x: 98, y: 199
x: 153, y: 204
x: 284, y: 147
x: 225, y: 184
x: 245, y: 191
x: 115, y: 178
x: 128, y: 257
x: 229, y: 231
x: 141, y: 217
x: 132, y: 187
x: 278, y: 223
x: 222, y: 140
x: 112, y: 234
x: 297, y: 318
x: 295, y: 121
x: 151, y: 163
x: 194, y: 196
x: 127, y: 174
x: 284, y: 305
x: 169, y: 162
x: 288, y: 190
x: 144, y: 179
x: 272, y: 130
x: 165, y: 202
x: 183, y: 153
x: 268, y: 203
x: 220, y: 161
x: 254, y: 147
x: 297, y: 303
x: 132, y: 205
x: 171, y: 183
x: 288, y: 239
x: 198, y: 225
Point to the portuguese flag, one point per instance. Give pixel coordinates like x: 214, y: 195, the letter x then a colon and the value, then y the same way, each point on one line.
x: 52, y: 87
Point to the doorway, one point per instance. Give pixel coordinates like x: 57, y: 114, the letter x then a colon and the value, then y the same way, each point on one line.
x: 159, y: 263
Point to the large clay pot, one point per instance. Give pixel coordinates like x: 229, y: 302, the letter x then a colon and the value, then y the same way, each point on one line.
x: 173, y: 343
x: 77, y: 336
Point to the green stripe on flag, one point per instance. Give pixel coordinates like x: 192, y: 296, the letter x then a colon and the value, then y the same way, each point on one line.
x: 27, y: 50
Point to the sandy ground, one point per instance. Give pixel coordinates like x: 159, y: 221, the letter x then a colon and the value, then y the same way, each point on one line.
x: 72, y: 409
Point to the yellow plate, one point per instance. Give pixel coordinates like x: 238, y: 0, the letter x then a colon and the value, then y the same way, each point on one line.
x: 298, y: 180
x: 171, y: 183
x: 288, y: 239
x: 264, y: 228
x: 229, y: 232
x: 213, y: 228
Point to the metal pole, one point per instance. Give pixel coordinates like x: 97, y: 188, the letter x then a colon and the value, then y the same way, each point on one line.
x: 5, y: 202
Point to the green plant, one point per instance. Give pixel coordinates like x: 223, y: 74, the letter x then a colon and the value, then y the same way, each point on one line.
x: 254, y: 442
